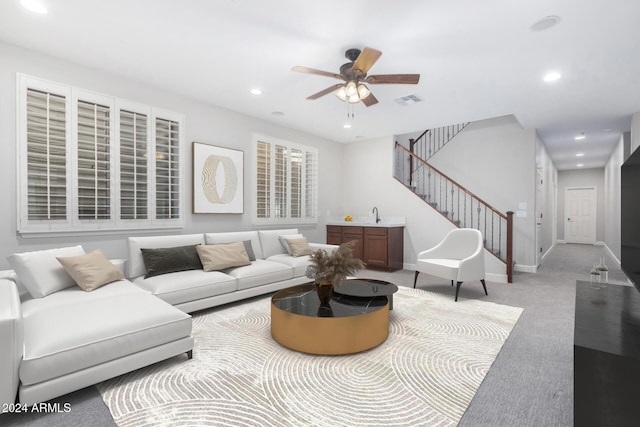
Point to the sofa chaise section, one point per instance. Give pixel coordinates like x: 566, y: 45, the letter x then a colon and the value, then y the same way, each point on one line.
x: 71, y: 338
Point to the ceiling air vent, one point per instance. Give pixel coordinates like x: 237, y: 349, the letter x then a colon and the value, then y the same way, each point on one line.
x: 409, y: 100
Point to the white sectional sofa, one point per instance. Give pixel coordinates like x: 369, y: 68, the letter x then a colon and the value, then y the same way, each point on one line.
x: 193, y: 290
x: 68, y: 339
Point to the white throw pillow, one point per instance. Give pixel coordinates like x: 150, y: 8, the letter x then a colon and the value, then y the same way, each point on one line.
x: 41, y: 273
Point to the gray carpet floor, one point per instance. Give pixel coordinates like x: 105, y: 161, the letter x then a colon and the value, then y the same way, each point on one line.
x: 530, y: 382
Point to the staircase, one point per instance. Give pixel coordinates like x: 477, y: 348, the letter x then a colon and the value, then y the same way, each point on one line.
x: 457, y: 204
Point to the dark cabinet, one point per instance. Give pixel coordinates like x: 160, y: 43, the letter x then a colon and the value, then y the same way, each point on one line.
x: 606, y: 355
x: 378, y: 247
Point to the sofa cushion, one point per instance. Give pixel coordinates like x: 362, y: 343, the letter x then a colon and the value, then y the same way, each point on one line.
x: 237, y: 236
x: 298, y: 264
x: 41, y: 273
x: 226, y: 255
x: 271, y: 243
x: 91, y: 271
x: 159, y: 261
x: 260, y: 272
x: 135, y: 266
x: 185, y: 286
x: 62, y: 337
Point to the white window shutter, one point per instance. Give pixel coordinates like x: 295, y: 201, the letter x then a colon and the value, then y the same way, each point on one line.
x: 167, y: 168
x: 133, y: 166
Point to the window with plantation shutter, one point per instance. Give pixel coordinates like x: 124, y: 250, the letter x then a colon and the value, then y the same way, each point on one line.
x: 89, y: 162
x: 46, y: 156
x: 286, y: 182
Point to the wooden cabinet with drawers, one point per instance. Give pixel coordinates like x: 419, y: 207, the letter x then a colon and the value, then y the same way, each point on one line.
x: 378, y: 247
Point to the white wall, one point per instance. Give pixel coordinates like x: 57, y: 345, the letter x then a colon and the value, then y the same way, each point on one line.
x: 495, y: 159
x: 549, y: 190
x: 582, y: 178
x: 369, y: 182
x: 203, y: 123
x: 635, y: 131
x: 612, y: 200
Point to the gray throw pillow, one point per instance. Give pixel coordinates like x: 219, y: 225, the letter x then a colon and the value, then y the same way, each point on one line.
x: 170, y: 260
x: 249, y: 248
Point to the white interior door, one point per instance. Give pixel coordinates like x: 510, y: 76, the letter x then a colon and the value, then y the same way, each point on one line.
x: 580, y: 215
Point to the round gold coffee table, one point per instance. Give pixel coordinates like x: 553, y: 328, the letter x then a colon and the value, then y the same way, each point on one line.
x: 349, y: 324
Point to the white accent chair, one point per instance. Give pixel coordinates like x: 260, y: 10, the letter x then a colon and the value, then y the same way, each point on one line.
x: 458, y: 257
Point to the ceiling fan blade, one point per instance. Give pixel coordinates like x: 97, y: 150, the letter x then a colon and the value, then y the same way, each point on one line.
x: 318, y: 72
x: 366, y: 59
x: 325, y: 91
x: 407, y: 79
x: 370, y: 100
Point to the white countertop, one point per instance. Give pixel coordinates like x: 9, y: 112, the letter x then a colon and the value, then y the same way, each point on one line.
x: 365, y: 224
x: 370, y: 222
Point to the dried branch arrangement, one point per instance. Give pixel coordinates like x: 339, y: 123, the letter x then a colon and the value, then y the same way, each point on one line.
x: 333, y: 268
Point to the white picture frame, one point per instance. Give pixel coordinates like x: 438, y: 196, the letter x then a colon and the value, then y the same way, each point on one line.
x: 218, y: 179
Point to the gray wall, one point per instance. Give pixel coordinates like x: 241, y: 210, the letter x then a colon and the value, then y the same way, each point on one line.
x: 582, y: 178
x: 203, y: 123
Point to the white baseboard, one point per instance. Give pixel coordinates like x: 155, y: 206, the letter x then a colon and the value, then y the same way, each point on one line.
x: 525, y: 268
x: 495, y: 277
x: 612, y: 255
x: 561, y: 242
x: 407, y: 266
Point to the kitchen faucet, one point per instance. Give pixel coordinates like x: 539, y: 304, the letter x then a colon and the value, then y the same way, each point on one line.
x: 375, y: 209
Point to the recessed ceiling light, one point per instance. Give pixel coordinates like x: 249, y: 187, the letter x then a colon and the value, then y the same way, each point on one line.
x: 580, y: 165
x: 579, y: 154
x: 545, y: 23
x: 347, y: 125
x: 579, y: 137
x: 552, y: 76
x: 256, y: 92
x: 35, y: 6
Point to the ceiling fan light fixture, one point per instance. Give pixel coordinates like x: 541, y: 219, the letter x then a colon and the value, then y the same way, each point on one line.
x: 342, y: 94
x: 351, y: 89
x: 354, y: 99
x: 363, y: 91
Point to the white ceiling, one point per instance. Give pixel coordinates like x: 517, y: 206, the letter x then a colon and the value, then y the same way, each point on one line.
x: 477, y: 60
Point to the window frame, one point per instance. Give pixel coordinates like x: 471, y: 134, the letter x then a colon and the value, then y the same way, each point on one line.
x: 73, y: 225
x: 303, y: 185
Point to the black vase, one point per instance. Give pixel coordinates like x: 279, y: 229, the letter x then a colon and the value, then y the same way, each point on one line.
x: 324, y: 290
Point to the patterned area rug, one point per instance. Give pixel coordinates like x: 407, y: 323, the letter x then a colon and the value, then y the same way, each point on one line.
x: 425, y: 374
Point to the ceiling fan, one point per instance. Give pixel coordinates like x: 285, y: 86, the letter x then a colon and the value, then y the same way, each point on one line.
x: 354, y: 74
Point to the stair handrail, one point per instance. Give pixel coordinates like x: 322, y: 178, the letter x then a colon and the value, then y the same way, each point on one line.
x: 429, y: 165
x: 431, y: 147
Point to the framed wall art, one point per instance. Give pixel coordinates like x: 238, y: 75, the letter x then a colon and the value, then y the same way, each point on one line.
x: 218, y: 184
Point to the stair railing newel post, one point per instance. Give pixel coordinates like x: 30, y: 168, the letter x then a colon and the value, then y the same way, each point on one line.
x: 510, y: 246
